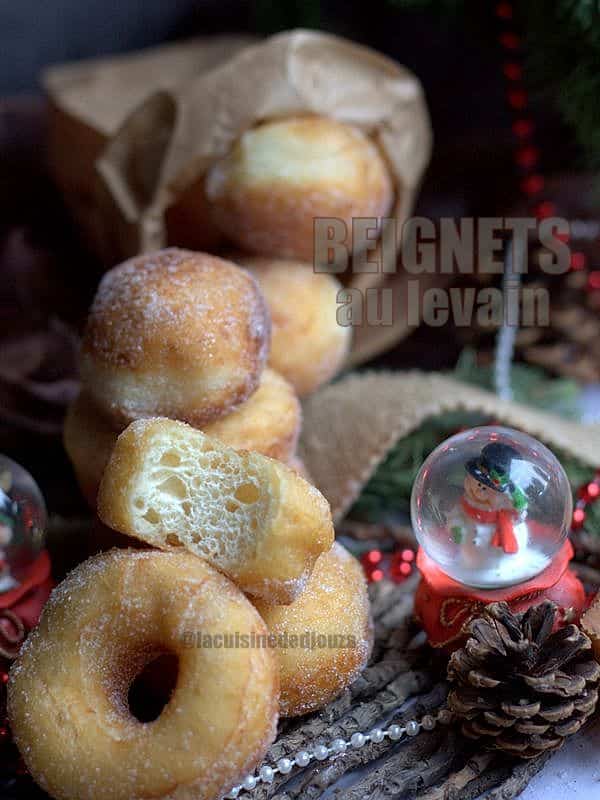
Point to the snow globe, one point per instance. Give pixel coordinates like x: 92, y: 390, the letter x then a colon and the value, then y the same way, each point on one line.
x: 25, y: 570
x: 491, y: 509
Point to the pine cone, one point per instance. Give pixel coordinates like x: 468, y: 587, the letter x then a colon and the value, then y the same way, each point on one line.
x: 519, y: 687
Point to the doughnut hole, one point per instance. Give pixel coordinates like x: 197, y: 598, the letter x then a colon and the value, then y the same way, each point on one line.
x: 151, y: 689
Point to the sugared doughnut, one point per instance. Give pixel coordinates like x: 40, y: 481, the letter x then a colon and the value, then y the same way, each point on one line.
x: 112, y: 616
x: 268, y: 422
x: 283, y: 173
x: 308, y: 346
x: 249, y: 515
x: 332, y: 614
x: 174, y: 333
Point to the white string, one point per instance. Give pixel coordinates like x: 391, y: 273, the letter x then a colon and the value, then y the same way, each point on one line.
x: 505, y: 342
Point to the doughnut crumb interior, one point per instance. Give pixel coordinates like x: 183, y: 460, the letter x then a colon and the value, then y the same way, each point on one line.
x: 253, y: 517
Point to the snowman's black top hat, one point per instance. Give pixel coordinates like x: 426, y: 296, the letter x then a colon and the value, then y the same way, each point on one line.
x: 492, y: 466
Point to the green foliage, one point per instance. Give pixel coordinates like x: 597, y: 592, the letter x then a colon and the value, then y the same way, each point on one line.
x: 563, y: 40
x: 387, y: 494
x: 562, y: 44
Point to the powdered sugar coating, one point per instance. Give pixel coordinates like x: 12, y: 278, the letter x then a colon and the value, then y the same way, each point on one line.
x: 333, y: 615
x: 176, y: 333
x: 68, y: 688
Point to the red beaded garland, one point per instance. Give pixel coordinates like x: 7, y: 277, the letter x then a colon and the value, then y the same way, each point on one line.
x: 512, y: 71
x: 527, y: 156
x: 510, y: 41
x: 504, y: 10
x: 522, y: 128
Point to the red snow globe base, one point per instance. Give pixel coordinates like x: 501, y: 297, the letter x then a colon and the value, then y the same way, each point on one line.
x: 20, y: 607
x: 445, y: 607
x: 491, y: 509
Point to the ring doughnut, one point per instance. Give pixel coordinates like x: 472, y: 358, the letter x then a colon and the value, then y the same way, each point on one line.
x: 308, y: 345
x: 333, y: 614
x: 268, y: 422
x: 68, y: 689
x: 174, y: 333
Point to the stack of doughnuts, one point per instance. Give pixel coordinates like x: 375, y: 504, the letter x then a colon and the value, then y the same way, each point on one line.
x: 264, y: 197
x: 240, y: 608
x: 182, y: 335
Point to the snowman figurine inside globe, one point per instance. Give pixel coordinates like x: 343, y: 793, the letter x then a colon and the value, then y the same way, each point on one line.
x: 491, y: 509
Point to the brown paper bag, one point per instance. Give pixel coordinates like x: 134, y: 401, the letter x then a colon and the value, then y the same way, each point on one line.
x: 350, y: 426
x: 91, y: 100
x: 131, y: 135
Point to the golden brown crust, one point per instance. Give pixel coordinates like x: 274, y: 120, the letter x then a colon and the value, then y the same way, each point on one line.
x: 282, y: 174
x: 67, y: 694
x: 251, y: 516
x: 176, y: 333
x: 268, y: 422
x: 308, y: 345
x: 333, y: 615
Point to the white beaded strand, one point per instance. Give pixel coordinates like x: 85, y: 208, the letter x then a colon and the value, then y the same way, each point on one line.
x: 338, y: 747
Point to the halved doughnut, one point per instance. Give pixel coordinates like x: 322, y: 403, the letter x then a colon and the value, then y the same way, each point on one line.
x: 253, y: 517
x: 283, y: 173
x: 308, y: 345
x: 111, y: 617
x: 174, y: 333
x: 268, y: 422
x: 324, y: 637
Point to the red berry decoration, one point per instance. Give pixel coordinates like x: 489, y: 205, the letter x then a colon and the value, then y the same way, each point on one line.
x: 589, y: 493
x: 371, y: 561
x: 402, y: 565
x: 578, y: 518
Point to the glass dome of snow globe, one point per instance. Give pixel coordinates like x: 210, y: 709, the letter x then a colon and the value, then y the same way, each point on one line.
x: 491, y: 507
x: 22, y: 523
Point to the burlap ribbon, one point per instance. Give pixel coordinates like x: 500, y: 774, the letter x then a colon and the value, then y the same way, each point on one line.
x: 351, y: 425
